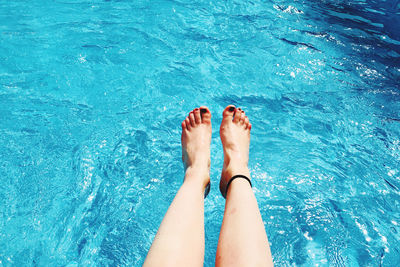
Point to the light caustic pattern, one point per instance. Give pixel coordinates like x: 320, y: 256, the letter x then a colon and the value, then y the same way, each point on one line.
x: 92, y: 94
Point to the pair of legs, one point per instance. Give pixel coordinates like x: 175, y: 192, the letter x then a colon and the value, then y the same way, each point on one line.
x: 180, y: 238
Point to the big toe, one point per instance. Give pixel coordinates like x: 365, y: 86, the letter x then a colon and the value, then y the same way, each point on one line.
x: 205, y: 114
x: 227, y: 114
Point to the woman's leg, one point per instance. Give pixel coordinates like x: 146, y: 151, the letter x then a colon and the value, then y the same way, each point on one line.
x: 243, y: 240
x: 180, y: 238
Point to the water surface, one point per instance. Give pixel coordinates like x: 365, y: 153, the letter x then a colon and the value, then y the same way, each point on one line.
x: 92, y: 94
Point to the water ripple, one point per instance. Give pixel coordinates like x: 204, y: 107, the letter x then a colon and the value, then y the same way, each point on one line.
x: 92, y: 95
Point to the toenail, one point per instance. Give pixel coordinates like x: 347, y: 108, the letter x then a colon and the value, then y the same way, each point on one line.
x: 203, y: 110
x: 239, y: 109
x: 231, y: 108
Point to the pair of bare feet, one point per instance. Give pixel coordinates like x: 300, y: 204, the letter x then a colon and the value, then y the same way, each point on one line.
x: 180, y: 238
x: 196, y: 138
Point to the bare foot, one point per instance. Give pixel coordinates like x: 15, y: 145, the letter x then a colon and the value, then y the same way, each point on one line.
x: 235, y: 136
x: 196, y: 139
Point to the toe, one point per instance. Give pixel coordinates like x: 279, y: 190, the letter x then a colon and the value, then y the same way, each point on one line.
x: 187, y: 122
x: 246, y: 121
x: 242, y: 118
x: 197, y: 116
x: 237, y: 115
x: 229, y: 111
x: 192, y: 119
x: 183, y: 125
x: 205, y: 114
x: 227, y: 115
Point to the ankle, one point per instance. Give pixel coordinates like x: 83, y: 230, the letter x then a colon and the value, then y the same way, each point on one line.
x: 235, y: 157
x: 233, y: 168
x: 197, y: 175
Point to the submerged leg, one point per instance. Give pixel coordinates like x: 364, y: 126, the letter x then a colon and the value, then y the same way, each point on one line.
x: 243, y: 240
x: 180, y: 238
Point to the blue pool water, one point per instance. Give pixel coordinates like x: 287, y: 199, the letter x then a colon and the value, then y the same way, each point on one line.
x: 92, y: 94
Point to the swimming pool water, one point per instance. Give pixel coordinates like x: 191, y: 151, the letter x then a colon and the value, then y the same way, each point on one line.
x: 92, y: 94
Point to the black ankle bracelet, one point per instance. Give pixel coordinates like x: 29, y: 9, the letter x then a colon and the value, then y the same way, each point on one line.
x: 207, y: 190
x: 233, y: 178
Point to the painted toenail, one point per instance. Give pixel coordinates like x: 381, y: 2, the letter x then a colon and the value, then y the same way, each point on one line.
x: 203, y: 110
x: 231, y: 108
